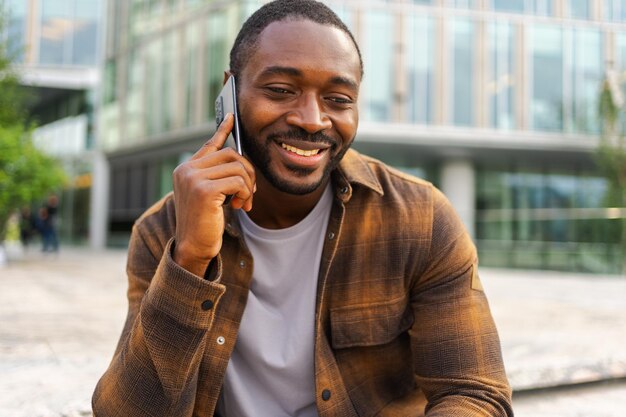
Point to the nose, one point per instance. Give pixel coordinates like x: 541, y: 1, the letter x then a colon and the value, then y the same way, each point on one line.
x: 309, y: 115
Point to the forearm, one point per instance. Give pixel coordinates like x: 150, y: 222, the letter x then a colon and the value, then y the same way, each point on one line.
x: 155, y: 369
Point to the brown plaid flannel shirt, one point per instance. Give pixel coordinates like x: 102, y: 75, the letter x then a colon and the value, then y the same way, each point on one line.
x: 400, y: 313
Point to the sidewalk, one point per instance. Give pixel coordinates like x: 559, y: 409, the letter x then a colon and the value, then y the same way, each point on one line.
x: 61, y: 318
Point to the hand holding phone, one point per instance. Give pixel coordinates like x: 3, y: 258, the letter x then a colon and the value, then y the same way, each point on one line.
x: 201, y: 183
x: 225, y: 103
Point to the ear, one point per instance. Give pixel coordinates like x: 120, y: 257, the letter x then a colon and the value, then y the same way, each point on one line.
x: 227, y: 74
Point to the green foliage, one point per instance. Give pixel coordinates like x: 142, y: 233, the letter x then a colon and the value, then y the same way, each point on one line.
x: 12, y: 96
x: 26, y: 174
x: 610, y: 155
x: 611, y: 152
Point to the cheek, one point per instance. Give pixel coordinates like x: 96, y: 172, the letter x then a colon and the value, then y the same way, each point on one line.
x: 347, y: 126
x: 257, y: 117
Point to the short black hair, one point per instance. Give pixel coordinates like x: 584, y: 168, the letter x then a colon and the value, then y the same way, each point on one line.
x: 280, y: 10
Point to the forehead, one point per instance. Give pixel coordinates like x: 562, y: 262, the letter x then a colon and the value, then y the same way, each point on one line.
x: 305, y: 45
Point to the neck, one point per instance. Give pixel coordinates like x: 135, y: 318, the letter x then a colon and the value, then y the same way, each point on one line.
x: 274, y: 209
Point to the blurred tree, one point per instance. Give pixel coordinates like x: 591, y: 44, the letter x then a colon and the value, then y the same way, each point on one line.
x: 611, y: 152
x: 26, y: 173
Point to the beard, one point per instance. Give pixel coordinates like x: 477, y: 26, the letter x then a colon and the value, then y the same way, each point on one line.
x: 258, y: 153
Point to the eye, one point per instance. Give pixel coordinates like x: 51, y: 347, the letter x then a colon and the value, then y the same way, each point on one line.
x: 340, y: 100
x: 278, y: 90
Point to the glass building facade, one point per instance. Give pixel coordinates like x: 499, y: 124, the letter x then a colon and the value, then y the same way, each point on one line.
x: 506, y: 88
x: 55, y: 45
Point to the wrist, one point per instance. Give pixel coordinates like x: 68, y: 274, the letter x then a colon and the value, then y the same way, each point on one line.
x: 186, y: 260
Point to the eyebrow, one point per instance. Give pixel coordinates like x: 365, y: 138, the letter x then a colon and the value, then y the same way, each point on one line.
x: 294, y: 72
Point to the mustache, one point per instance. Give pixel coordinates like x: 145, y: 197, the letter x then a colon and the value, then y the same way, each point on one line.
x: 301, y: 134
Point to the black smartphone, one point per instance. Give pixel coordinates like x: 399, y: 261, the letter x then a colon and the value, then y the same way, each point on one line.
x: 226, y: 102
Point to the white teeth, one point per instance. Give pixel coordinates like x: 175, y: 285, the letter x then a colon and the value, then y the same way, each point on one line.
x: 299, y: 151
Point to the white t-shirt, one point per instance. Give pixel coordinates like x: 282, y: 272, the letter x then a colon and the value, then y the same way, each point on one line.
x: 271, y: 371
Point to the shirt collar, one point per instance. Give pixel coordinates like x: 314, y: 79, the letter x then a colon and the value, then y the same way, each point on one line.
x: 355, y: 169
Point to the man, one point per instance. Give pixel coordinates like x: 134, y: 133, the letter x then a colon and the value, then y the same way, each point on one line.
x: 332, y: 285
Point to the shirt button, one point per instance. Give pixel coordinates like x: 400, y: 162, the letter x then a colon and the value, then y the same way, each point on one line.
x: 221, y: 340
x: 331, y: 235
x: 242, y: 264
x: 207, y: 305
x: 326, y: 395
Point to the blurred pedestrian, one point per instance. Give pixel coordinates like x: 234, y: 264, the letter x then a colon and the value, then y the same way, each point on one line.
x: 28, y: 226
x: 48, y: 214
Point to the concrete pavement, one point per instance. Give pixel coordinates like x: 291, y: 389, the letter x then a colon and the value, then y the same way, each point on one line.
x: 61, y: 318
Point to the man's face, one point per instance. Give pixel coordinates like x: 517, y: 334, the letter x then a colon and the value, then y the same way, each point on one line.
x: 298, y: 103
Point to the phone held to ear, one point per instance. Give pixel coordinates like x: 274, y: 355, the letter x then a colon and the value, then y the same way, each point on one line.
x: 225, y: 103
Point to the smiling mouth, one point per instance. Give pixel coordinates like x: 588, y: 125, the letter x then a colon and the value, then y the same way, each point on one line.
x: 301, y: 152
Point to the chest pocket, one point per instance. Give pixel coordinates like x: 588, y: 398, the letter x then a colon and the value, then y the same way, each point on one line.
x: 371, y: 324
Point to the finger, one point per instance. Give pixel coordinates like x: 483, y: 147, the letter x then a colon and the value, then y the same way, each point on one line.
x: 232, y: 169
x: 218, y: 139
x: 223, y: 157
x: 234, y: 186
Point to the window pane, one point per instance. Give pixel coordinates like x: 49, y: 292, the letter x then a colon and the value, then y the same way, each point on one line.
x: 501, y: 81
x: 378, y: 57
x: 56, y: 32
x: 216, y: 53
x: 169, y: 81
x: 546, y: 48
x: 134, y: 95
x: 462, y: 4
x: 16, y: 29
x: 516, y: 6
x: 192, y: 41
x: 585, y: 70
x: 419, y: 40
x: 615, y: 10
x: 154, y: 66
x: 85, y: 36
x: 577, y: 9
x: 542, y: 7
x: 462, y: 62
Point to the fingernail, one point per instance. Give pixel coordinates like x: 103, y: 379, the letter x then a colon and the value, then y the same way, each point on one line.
x: 254, y: 191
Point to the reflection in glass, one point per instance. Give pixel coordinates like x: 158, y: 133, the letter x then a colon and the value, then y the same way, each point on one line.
x: 516, y: 6
x: 85, y: 36
x: 577, y: 9
x: 586, y: 69
x: 546, y: 106
x: 536, y: 218
x: 419, y: 72
x: 192, y: 50
x: 462, y: 4
x: 620, y: 65
x: 15, y: 29
x: 615, y: 10
x: 542, y: 7
x: 69, y: 32
x: 154, y: 73
x: 169, y: 81
x: 136, y: 78
x: 501, y: 77
x: 462, y: 70
x: 110, y: 82
x: 216, y: 54
x: 378, y: 57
